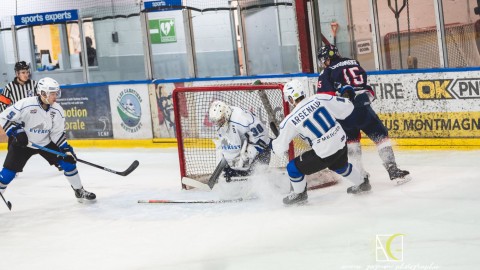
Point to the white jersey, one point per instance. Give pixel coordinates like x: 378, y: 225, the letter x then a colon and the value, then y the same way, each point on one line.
x: 315, y: 120
x: 242, y: 124
x: 41, y: 126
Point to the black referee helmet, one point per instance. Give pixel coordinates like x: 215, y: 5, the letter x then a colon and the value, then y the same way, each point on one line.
x: 22, y: 65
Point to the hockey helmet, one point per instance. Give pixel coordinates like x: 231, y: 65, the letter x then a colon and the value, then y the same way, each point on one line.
x: 219, y: 113
x: 327, y: 52
x: 293, y: 90
x: 22, y: 65
x: 46, y: 86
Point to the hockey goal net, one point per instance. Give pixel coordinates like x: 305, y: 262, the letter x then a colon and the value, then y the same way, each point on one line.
x: 197, y: 137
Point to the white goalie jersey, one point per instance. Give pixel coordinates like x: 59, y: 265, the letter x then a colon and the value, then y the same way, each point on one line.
x: 242, y: 126
x: 41, y: 126
x: 315, y: 120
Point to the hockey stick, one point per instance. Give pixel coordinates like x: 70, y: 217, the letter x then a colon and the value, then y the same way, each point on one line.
x: 195, y: 201
x: 8, y: 203
x: 130, y: 169
x: 334, y: 26
x: 216, y: 173
x: 268, y: 107
x: 195, y: 183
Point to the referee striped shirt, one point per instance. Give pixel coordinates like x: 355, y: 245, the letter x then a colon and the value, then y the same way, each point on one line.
x: 15, y: 91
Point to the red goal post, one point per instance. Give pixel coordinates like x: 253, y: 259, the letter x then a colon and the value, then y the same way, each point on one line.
x: 197, y: 138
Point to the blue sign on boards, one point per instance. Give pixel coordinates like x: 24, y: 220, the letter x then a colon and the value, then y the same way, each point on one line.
x: 47, y: 18
x: 162, y: 3
x: 84, y: 118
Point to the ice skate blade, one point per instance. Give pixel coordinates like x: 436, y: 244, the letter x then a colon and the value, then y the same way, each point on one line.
x: 401, y: 181
x: 85, y: 201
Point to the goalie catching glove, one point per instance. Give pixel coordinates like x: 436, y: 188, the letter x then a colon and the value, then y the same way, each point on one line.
x: 243, y: 161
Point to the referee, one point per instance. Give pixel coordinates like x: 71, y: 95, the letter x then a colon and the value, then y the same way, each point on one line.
x: 21, y: 87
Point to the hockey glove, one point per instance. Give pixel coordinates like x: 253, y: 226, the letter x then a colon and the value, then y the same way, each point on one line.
x: 67, y: 149
x: 347, y: 91
x: 19, y: 137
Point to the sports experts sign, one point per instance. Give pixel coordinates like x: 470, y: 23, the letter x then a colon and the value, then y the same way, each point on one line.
x: 47, y: 18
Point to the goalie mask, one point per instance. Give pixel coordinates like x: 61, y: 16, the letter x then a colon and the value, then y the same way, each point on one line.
x: 49, y: 90
x: 292, y: 91
x: 219, y: 113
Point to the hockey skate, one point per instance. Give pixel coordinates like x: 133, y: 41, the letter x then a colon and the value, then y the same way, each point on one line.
x: 362, y: 188
x: 296, y: 198
x: 397, y: 175
x: 84, y: 196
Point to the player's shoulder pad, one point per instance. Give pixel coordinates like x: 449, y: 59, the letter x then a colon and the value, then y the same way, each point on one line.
x: 57, y: 107
x: 241, y: 117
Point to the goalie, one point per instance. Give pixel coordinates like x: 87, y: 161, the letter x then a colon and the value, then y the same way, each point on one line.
x: 243, y: 139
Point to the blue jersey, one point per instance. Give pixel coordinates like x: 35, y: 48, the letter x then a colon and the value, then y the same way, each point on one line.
x: 342, y: 71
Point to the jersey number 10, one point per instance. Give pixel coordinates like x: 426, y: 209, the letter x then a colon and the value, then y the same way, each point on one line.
x: 322, y: 119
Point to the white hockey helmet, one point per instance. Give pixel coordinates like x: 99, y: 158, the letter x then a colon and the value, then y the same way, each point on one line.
x: 293, y: 90
x: 46, y: 86
x: 219, y: 113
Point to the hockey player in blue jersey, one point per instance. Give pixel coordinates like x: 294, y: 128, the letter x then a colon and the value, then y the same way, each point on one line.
x: 345, y: 77
x: 315, y: 120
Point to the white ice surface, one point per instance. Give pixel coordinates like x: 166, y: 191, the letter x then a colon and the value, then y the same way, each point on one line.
x: 438, y: 213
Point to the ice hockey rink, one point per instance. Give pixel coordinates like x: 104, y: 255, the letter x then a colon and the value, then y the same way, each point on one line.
x: 429, y: 223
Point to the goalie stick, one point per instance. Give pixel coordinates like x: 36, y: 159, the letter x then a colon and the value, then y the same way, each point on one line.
x: 130, y: 169
x: 268, y: 107
x: 216, y: 173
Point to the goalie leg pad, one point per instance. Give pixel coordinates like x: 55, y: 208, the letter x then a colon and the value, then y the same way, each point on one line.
x: 229, y: 173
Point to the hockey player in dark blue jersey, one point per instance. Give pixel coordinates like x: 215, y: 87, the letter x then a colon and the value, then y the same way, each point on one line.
x: 345, y: 77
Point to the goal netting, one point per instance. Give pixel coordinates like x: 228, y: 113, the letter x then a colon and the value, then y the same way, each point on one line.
x: 197, y: 137
x: 461, y: 43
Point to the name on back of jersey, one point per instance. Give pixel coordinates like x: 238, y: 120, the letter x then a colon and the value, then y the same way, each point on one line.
x: 305, y: 112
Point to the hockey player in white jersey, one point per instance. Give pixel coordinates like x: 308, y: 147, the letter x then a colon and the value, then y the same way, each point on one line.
x: 243, y: 138
x: 315, y: 120
x: 39, y: 120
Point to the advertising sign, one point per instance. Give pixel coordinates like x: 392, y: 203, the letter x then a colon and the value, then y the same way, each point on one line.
x: 87, y: 112
x: 46, y: 18
x: 130, y: 109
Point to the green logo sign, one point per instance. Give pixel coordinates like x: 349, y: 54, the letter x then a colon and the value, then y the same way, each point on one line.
x: 162, y: 31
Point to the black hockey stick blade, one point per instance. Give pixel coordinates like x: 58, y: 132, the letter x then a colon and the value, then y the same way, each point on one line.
x: 274, y: 129
x: 130, y: 169
x: 8, y: 203
x: 218, y: 170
